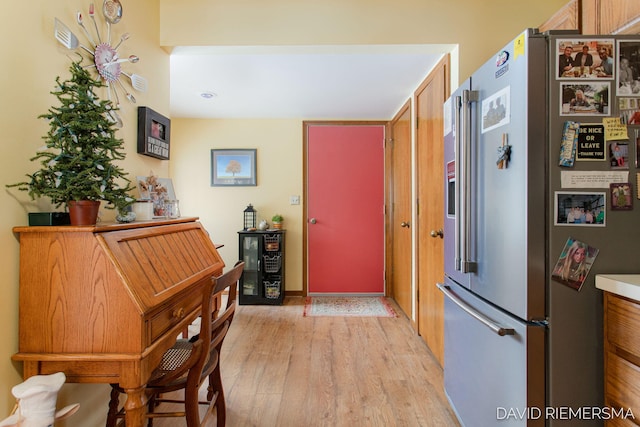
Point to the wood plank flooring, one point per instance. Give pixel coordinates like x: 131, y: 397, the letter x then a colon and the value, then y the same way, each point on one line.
x: 282, y: 369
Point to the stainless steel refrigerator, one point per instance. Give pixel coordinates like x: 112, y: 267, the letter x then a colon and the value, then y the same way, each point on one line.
x: 523, y: 344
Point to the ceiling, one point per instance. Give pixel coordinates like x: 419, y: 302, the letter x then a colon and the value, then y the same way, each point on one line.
x: 309, y: 82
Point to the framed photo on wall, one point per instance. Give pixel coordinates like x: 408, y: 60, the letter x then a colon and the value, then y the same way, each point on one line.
x: 154, y: 131
x: 233, y: 167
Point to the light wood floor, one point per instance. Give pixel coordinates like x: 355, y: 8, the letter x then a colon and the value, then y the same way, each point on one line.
x: 283, y: 369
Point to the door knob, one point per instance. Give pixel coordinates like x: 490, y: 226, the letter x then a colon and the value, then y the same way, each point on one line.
x: 438, y: 233
x: 405, y: 224
x: 313, y: 221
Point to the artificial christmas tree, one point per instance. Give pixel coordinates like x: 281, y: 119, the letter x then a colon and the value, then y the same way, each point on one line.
x: 81, y: 148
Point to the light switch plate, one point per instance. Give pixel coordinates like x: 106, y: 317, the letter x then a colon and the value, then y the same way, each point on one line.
x: 294, y: 200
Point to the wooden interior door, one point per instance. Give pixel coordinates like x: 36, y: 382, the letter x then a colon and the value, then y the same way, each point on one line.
x: 400, y: 201
x: 344, y: 202
x: 430, y: 97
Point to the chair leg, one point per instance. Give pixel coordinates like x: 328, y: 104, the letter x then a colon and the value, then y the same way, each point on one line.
x: 151, y: 405
x: 113, y: 408
x: 215, y: 385
x: 191, y: 406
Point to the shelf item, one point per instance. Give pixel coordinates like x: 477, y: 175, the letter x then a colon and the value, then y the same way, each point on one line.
x: 264, y: 257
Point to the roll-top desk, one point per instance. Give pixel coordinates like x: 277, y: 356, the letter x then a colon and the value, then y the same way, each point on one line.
x: 103, y: 303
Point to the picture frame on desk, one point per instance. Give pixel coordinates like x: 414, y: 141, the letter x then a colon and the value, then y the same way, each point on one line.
x: 154, y: 134
x: 165, y: 184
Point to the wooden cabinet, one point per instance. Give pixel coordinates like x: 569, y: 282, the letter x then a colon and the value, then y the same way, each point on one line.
x: 597, y: 17
x: 611, y: 16
x: 263, y: 279
x: 622, y: 356
x: 567, y: 18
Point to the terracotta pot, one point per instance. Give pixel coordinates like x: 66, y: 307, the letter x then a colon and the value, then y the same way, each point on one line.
x: 83, y: 212
x: 277, y: 225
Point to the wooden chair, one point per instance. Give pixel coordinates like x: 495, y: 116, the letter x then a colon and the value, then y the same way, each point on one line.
x: 187, y: 364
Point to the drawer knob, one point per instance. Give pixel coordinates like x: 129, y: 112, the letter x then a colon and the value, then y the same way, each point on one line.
x: 178, y: 313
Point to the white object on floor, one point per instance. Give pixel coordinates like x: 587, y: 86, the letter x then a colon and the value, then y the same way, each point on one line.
x: 36, y: 402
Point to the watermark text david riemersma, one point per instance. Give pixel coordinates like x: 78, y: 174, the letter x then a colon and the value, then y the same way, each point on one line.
x: 564, y: 413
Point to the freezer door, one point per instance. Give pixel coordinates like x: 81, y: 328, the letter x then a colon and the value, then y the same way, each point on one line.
x: 494, y: 363
x: 457, y: 131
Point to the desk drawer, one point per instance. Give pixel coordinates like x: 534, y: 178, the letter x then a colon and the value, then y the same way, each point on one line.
x: 174, y: 313
x: 623, y: 324
x: 622, y: 383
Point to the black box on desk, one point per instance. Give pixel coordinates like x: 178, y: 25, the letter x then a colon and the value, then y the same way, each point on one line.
x: 49, y: 218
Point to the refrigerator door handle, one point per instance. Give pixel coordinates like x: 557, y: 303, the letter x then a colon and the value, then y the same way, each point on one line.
x: 463, y: 175
x: 495, y: 327
x: 458, y: 176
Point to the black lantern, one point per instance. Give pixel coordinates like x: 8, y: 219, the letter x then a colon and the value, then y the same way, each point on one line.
x: 249, y: 218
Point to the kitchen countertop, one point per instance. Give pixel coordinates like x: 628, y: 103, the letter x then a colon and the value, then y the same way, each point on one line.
x: 625, y: 285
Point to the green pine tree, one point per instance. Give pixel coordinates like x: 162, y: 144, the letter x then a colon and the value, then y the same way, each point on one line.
x: 81, y: 147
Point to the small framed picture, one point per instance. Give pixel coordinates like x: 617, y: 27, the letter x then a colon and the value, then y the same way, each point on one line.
x: 580, y: 209
x: 233, y: 167
x: 152, y: 184
x: 621, y: 196
x: 154, y: 132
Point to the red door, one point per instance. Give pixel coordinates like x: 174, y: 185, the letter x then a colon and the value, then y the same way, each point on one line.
x: 345, y: 209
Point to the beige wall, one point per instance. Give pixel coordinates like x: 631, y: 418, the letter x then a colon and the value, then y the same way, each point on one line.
x: 480, y: 28
x: 32, y: 60
x: 279, y: 169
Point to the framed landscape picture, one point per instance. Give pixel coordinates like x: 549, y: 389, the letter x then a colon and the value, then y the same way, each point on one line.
x: 233, y: 167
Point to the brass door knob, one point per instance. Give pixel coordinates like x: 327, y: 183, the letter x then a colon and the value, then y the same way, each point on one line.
x: 438, y: 233
x: 405, y: 224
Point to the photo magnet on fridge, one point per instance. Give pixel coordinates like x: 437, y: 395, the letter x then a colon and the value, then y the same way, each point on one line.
x: 580, y: 209
x: 591, y: 145
x: 569, y: 143
x: 619, y: 155
x: 621, y: 199
x: 574, y: 263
